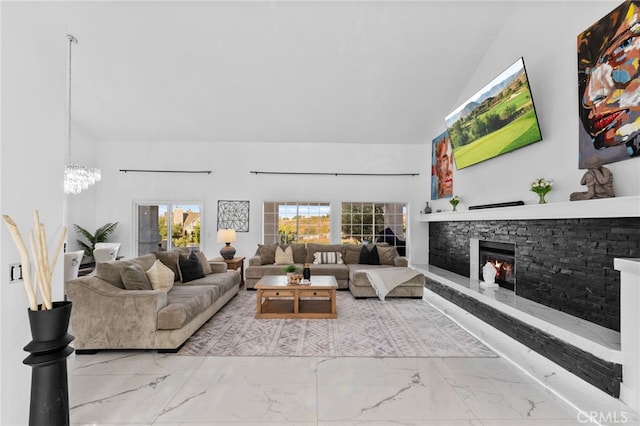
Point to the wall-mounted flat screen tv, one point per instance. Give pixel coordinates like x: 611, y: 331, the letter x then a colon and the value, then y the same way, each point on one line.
x: 498, y: 119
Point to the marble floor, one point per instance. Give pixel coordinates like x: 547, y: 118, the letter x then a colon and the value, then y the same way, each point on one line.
x: 516, y: 389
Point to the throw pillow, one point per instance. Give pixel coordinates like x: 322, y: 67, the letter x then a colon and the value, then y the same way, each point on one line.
x: 110, y: 271
x: 387, y: 255
x: 190, y: 268
x: 327, y: 257
x: 299, y: 253
x: 144, y: 261
x: 170, y: 260
x: 134, y: 278
x: 313, y: 248
x: 352, y: 253
x: 160, y: 276
x: 206, y: 268
x: 284, y: 257
x: 267, y: 253
x: 369, y: 256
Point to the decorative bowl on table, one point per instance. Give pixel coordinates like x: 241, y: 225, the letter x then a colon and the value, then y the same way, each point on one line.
x: 295, y: 279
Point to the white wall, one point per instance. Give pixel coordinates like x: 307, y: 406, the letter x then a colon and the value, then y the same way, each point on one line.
x: 545, y: 34
x: 231, y: 180
x: 32, y: 164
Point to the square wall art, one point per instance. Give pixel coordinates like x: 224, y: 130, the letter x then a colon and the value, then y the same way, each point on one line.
x: 233, y: 215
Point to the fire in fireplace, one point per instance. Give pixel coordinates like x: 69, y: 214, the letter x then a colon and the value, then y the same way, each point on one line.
x: 503, y: 257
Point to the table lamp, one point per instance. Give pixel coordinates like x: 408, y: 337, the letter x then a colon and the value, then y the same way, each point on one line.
x: 227, y: 236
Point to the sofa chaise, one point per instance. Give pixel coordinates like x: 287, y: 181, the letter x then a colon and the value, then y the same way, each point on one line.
x: 110, y: 311
x: 349, y: 274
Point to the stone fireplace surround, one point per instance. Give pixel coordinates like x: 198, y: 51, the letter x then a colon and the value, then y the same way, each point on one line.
x: 566, y: 264
x: 581, y: 241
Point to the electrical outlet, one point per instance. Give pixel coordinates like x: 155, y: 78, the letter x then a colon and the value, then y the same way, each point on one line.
x: 15, y: 272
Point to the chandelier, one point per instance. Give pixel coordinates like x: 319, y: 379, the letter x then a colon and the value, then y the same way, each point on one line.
x: 77, y: 178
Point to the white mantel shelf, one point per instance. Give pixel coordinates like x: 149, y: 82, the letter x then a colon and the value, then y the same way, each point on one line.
x: 599, y: 208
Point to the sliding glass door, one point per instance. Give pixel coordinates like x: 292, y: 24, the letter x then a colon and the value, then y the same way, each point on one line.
x: 162, y: 227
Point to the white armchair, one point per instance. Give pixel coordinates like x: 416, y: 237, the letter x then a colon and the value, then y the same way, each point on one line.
x: 104, y: 252
x: 115, y: 246
x: 72, y: 262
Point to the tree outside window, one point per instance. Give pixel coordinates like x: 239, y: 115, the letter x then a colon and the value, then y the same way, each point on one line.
x: 297, y: 222
x: 155, y: 220
x: 374, y: 222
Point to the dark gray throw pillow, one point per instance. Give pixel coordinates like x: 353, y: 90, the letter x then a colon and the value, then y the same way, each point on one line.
x: 135, y: 278
x: 369, y: 257
x: 190, y: 268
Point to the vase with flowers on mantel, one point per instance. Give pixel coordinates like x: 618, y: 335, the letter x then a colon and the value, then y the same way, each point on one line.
x: 454, y: 201
x: 542, y: 187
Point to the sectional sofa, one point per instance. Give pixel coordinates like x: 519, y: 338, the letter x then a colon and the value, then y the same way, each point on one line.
x: 111, y: 313
x: 350, y: 274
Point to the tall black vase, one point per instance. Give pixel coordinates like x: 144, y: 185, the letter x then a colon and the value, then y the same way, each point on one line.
x: 49, y: 351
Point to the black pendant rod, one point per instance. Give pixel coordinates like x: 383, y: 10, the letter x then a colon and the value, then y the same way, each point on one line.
x: 165, y: 171
x: 333, y: 174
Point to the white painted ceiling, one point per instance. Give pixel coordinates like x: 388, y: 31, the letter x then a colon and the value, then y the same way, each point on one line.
x: 327, y: 71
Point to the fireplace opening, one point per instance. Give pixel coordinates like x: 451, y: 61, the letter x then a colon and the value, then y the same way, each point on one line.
x: 503, y: 257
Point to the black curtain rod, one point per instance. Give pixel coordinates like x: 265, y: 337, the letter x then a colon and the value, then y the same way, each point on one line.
x: 333, y: 174
x: 165, y: 171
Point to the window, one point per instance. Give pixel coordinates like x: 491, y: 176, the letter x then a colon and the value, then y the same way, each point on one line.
x: 374, y: 222
x: 165, y: 226
x: 297, y: 222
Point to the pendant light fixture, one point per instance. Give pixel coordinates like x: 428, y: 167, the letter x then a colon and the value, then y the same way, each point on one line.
x: 77, y: 178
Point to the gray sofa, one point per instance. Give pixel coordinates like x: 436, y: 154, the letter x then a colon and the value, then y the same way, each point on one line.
x: 348, y: 275
x: 106, y: 315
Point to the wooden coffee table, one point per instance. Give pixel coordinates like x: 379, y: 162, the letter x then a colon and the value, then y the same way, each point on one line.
x: 277, y: 299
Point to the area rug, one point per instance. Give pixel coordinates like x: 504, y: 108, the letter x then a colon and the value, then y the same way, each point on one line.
x: 364, y: 328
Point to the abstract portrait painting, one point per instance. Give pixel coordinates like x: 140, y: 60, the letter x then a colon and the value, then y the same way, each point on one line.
x: 441, y: 167
x: 609, y: 86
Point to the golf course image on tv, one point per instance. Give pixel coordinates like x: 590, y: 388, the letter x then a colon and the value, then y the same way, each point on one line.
x: 499, y: 118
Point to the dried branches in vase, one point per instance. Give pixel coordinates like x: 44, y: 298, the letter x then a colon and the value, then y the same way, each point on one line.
x: 42, y: 265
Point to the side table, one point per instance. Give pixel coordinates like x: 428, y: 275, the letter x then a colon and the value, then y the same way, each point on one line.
x: 237, y: 263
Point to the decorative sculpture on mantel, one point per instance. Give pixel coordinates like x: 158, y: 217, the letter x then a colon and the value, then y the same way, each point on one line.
x: 598, y: 179
x: 489, y: 273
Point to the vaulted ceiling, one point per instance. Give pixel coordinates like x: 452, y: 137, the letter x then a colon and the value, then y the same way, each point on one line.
x: 275, y: 71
